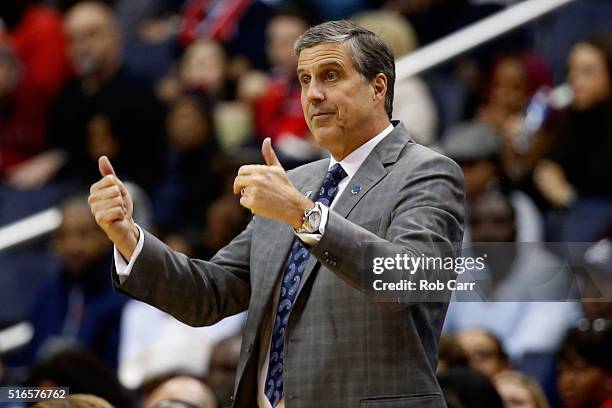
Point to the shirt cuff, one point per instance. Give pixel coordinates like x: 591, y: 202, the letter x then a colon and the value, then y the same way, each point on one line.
x: 121, y: 265
x: 312, y: 239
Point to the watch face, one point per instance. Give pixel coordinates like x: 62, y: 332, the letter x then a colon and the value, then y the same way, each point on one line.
x: 314, y: 220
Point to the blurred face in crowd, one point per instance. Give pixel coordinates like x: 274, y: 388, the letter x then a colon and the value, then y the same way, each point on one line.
x: 187, y: 126
x: 78, y: 242
x: 482, y: 351
x: 8, y: 75
x: 509, y: 85
x: 477, y: 174
x: 588, y: 76
x: 582, y: 385
x: 283, y: 32
x: 341, y: 109
x: 182, y: 389
x: 514, y: 393
x: 93, y: 39
x: 203, y: 66
x: 492, y: 220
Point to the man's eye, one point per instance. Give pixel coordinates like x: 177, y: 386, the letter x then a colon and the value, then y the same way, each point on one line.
x: 331, y: 75
x: 305, y: 80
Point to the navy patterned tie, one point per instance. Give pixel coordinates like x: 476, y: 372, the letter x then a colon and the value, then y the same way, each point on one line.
x: 294, y: 270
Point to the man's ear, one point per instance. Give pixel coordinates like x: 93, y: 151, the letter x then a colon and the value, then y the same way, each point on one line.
x: 379, y: 86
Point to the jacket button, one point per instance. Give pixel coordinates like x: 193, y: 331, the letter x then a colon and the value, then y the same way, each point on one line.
x: 232, y: 397
x: 250, y: 348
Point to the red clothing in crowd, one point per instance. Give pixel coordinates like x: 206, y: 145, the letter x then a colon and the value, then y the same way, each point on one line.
x: 38, y: 40
x: 216, y: 19
x: 39, y: 44
x: 279, y: 111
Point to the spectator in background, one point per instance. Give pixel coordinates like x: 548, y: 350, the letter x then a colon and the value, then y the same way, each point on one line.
x: 104, y: 87
x: 78, y: 305
x: 468, y: 387
x: 203, y: 68
x: 412, y: 102
x: 275, y: 97
x: 519, y: 391
x: 451, y: 354
x: 34, y: 31
x: 484, y: 351
x: 585, y: 368
x: 514, y: 80
x: 577, y: 173
x: 32, y: 49
x: 476, y: 147
x: 193, y: 167
x: 181, y: 391
x: 82, y: 372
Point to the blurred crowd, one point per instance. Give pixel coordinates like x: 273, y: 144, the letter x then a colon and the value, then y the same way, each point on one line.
x: 180, y: 93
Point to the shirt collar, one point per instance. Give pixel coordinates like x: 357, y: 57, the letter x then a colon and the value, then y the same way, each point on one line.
x: 355, y: 159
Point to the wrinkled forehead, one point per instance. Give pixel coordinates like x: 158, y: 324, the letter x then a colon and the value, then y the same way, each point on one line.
x: 325, y: 54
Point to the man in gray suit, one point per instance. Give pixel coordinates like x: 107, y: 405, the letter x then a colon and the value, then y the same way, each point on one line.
x: 314, y: 336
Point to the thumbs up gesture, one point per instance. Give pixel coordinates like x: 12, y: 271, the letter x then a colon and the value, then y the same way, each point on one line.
x: 267, y: 191
x: 112, y: 207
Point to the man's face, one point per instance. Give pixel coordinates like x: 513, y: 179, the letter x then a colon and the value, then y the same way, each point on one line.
x: 337, y: 102
x: 93, y: 39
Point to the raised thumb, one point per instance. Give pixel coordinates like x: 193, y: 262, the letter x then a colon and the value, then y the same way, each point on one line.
x: 106, y: 168
x: 268, y: 153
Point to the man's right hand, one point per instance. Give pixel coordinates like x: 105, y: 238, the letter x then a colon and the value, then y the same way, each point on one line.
x: 112, y: 207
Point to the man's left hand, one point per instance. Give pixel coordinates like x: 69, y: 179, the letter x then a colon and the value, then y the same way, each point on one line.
x: 267, y: 191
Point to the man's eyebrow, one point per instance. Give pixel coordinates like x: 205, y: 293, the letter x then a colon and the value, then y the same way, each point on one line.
x: 322, y: 65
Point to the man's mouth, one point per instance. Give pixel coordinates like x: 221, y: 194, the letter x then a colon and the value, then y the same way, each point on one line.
x: 319, y: 115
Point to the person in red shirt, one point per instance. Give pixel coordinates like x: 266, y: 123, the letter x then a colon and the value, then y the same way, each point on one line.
x: 34, y: 39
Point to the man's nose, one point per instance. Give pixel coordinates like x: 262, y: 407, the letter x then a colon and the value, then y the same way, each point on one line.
x: 314, y: 92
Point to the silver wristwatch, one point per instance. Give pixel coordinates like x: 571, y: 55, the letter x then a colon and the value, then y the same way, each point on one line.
x: 312, y: 220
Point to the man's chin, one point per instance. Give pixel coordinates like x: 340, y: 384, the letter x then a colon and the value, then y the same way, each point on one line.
x: 325, y: 135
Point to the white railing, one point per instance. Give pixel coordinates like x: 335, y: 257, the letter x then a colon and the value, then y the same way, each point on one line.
x: 413, y: 64
x: 474, y: 35
x: 29, y: 228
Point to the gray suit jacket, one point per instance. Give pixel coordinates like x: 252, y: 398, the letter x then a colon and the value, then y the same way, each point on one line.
x: 342, y: 349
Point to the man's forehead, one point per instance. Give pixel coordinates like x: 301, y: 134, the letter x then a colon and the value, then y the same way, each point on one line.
x: 324, y: 54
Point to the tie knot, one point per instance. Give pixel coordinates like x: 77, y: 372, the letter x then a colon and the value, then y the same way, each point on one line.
x: 337, y: 173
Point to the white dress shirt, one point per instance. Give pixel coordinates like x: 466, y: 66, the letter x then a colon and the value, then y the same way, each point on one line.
x: 350, y: 164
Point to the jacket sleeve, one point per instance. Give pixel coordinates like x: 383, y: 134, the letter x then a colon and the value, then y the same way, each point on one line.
x: 196, y: 292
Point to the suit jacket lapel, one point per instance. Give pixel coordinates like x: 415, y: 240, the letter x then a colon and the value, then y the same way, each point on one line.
x: 372, y: 170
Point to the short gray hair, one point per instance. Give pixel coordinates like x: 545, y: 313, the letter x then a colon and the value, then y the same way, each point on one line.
x: 370, y: 55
